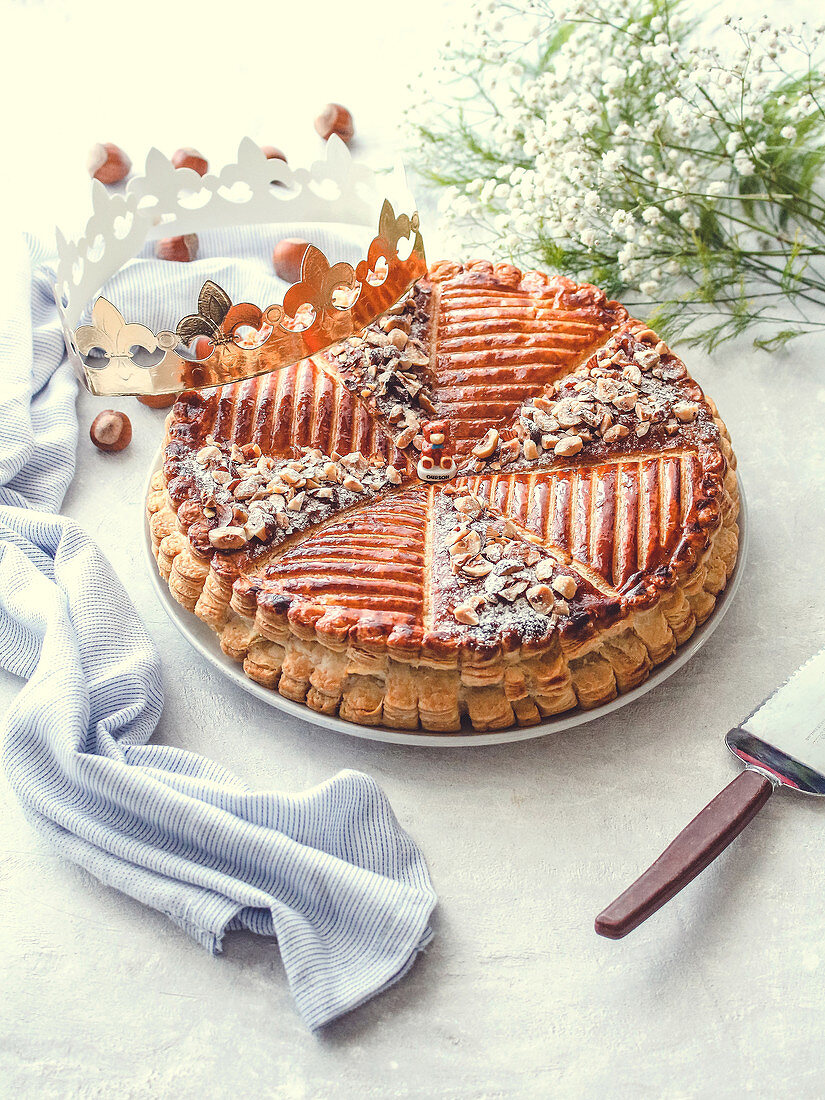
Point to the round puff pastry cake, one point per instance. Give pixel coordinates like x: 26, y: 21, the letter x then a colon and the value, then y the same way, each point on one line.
x: 589, y: 529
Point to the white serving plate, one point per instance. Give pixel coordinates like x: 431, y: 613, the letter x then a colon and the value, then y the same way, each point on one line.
x: 205, y: 641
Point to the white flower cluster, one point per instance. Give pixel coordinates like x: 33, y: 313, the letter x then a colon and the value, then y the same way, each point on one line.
x: 616, y: 147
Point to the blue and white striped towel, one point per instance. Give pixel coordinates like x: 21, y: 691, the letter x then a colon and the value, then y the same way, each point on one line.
x: 329, y: 872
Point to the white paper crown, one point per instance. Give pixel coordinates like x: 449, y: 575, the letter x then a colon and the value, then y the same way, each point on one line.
x: 220, y: 342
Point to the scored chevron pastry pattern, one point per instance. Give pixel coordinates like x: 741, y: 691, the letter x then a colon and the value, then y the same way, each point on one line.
x: 300, y: 406
x: 498, y: 344
x: 619, y: 518
x: 369, y: 560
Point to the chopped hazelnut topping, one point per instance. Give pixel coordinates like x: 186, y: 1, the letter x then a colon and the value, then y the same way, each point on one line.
x: 568, y: 445
x: 246, y: 489
x: 686, y: 411
x: 488, y: 548
x: 514, y: 590
x: 413, y: 357
x: 477, y: 568
x: 565, y: 586
x: 387, y: 364
x: 458, y: 534
x: 465, y: 614
x: 618, y: 431
x: 541, y: 594
x: 228, y: 538
x: 208, y: 452
x: 488, y: 444
x: 509, y: 452
x: 256, y: 529
x: 544, y: 569
x: 590, y: 404
x: 262, y: 494
x: 468, y: 504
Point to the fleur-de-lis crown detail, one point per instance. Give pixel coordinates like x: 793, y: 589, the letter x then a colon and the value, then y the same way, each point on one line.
x: 222, y: 342
x: 116, y: 338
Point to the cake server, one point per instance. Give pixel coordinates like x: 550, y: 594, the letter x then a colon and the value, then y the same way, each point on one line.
x: 782, y: 744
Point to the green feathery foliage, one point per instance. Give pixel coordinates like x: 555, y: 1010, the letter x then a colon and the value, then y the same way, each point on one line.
x: 626, y: 147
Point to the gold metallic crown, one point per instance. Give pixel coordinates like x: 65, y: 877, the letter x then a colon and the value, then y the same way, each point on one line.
x: 225, y: 342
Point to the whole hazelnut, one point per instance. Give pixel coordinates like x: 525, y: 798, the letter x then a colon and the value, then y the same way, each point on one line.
x: 335, y: 119
x: 286, y: 258
x: 111, y: 431
x: 159, y: 400
x: 108, y: 163
x: 273, y: 153
x: 180, y: 249
x: 190, y: 158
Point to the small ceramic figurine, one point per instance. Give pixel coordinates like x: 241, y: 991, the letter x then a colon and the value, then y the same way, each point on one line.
x: 436, y: 462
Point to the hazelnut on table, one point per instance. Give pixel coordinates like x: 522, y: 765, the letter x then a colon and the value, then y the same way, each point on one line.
x: 111, y: 431
x: 190, y: 158
x: 181, y: 250
x: 158, y: 400
x: 335, y: 119
x: 286, y: 258
x: 108, y: 163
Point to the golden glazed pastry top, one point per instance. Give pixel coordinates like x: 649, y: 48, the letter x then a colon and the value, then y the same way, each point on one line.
x: 595, y: 484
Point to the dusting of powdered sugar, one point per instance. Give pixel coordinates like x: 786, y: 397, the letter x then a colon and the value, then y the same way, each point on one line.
x: 491, y: 579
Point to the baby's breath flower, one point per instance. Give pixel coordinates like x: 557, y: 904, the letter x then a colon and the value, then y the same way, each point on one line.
x: 634, y: 153
x: 621, y: 220
x: 743, y: 164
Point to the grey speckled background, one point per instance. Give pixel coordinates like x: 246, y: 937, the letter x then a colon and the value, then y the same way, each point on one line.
x: 719, y: 995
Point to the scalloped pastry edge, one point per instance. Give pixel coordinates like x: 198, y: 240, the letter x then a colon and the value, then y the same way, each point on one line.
x: 373, y: 687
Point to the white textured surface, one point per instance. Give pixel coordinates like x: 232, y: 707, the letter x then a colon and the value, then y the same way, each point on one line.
x: 721, y: 994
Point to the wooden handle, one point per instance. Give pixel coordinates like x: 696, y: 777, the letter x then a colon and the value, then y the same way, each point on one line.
x: 710, y: 832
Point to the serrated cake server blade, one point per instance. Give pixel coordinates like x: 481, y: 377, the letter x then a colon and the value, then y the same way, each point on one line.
x: 781, y: 744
